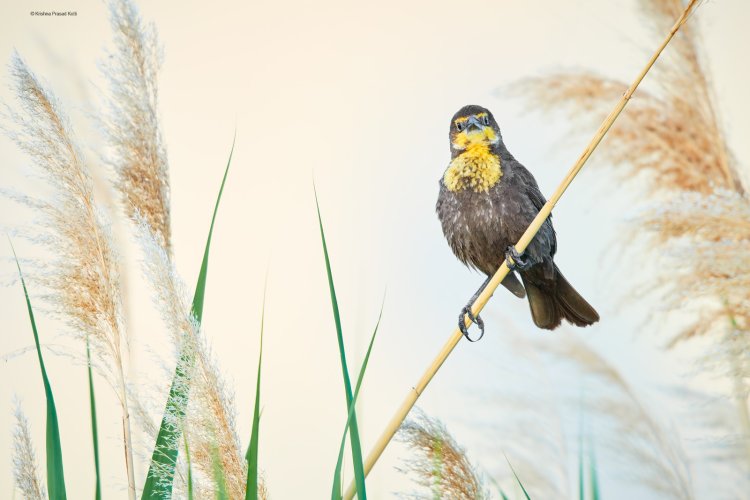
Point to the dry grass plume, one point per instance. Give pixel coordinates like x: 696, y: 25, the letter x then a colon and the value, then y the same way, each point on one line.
x: 634, y: 434
x: 209, y: 423
x: 132, y: 127
x: 82, y: 280
x: 671, y: 131
x: 439, y: 464
x: 25, y: 470
x: 699, y: 218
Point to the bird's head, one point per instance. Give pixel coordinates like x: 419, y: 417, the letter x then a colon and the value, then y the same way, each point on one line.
x: 473, y: 126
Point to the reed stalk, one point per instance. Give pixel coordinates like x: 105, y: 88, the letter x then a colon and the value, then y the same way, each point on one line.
x: 503, y: 270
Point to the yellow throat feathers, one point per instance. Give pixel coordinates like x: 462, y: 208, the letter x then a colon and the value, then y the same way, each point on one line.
x: 475, y: 168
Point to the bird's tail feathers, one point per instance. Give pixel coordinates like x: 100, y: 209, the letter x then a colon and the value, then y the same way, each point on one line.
x: 551, y: 304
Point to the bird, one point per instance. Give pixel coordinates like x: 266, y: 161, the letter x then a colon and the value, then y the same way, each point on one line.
x: 486, y: 201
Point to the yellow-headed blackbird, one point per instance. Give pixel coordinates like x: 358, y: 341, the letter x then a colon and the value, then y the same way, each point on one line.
x: 487, y: 200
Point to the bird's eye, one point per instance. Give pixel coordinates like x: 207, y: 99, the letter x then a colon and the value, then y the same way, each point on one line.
x: 486, y: 120
x: 459, y: 126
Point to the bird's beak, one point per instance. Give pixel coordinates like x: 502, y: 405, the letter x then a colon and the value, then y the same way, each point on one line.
x: 473, y: 122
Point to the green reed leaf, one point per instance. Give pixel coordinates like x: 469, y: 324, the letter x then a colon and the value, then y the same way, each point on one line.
x: 161, y: 471
x: 55, y: 473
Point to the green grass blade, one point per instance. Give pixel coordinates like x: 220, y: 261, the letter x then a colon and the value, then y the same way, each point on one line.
x: 359, y: 471
x: 503, y: 496
x: 251, y: 491
x: 161, y: 471
x: 336, y: 490
x: 438, y: 464
x: 200, y: 288
x: 55, y: 473
x: 526, y: 494
x: 593, y: 477
x: 189, y: 468
x: 581, y: 473
x: 220, y: 480
x: 94, y: 426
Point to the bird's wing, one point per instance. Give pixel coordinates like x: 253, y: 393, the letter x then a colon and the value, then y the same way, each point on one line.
x: 537, y: 199
x: 511, y: 283
x: 532, y: 189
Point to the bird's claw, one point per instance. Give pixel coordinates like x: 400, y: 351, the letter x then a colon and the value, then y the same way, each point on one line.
x: 515, y: 260
x: 466, y: 311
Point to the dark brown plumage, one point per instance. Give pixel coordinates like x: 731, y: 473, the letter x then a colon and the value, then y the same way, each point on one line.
x: 483, y: 214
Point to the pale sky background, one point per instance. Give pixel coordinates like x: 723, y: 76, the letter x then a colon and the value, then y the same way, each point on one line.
x: 359, y: 96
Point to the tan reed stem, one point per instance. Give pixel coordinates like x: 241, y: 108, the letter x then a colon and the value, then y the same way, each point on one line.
x: 740, y: 393
x: 127, y: 439
x: 742, y: 410
x: 498, y: 277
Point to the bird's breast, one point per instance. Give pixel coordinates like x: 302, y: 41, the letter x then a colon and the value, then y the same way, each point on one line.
x: 477, y: 169
x: 475, y: 225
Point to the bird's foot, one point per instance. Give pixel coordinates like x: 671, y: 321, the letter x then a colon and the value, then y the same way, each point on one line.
x: 516, y: 261
x: 466, y: 311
